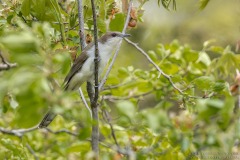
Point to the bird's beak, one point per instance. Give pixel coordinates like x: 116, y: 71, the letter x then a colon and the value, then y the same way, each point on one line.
x: 126, y: 35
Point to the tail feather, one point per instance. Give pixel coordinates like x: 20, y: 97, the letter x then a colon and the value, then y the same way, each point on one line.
x: 48, y: 118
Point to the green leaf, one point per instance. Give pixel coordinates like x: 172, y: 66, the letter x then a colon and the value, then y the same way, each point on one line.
x: 190, y: 55
x: 152, y: 55
x: 219, y: 86
x: 123, y: 72
x: 20, y: 42
x: 26, y: 6
x: 203, y: 3
x: 227, y: 112
x: 204, y: 59
x: 204, y: 82
x: 102, y: 25
x: 117, y: 23
x: 127, y: 108
x: 209, y: 107
x: 166, y: 4
x: 169, y: 68
x: 79, y: 146
x: 40, y: 9
x: 141, y: 74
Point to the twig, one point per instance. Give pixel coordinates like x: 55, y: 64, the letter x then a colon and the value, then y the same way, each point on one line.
x: 62, y: 131
x: 32, y: 151
x: 111, y: 126
x: 117, y: 86
x: 155, y: 65
x: 117, y: 48
x: 112, y: 98
x: 81, y: 24
x: 84, y: 101
x: 18, y: 132
x: 82, y: 45
x: 94, y: 105
x: 6, y: 65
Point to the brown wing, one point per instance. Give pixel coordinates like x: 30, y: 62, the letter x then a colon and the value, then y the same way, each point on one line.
x: 76, y: 67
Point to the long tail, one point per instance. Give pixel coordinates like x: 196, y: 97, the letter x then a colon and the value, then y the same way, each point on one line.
x: 48, y: 118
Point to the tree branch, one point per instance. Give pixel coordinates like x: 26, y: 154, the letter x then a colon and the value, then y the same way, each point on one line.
x: 113, y: 98
x: 18, y: 132
x: 32, y: 151
x: 94, y: 105
x: 111, y: 126
x: 81, y: 25
x: 6, y: 65
x: 82, y: 45
x: 154, y: 64
x: 117, y: 48
x: 62, y: 131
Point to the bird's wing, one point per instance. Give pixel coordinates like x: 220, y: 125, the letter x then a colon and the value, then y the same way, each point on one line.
x: 76, y: 67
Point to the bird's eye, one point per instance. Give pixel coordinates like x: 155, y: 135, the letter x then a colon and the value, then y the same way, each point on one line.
x: 114, y: 34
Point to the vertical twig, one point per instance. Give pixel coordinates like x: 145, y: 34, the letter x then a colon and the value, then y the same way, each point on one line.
x: 81, y: 25
x: 82, y: 45
x: 94, y: 105
x: 32, y: 151
x: 117, y: 48
x: 111, y: 127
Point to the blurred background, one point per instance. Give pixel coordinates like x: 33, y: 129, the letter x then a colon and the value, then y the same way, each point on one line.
x: 219, y: 21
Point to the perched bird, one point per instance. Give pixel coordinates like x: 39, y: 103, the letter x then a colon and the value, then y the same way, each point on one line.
x: 82, y: 69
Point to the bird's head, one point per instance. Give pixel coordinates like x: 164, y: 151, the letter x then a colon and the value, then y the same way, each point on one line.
x: 112, y: 38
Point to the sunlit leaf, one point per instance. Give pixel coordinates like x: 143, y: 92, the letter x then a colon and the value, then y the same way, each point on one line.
x: 204, y: 82
x: 126, y: 108
x: 26, y: 6
x: 203, y: 3
x: 117, y: 23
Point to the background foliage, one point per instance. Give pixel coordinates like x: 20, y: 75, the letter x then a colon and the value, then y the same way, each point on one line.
x: 151, y: 119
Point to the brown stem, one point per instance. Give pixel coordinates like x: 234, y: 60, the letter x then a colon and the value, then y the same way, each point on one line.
x: 94, y: 105
x: 6, y: 65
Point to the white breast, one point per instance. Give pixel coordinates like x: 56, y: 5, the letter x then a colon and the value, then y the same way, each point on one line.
x: 105, y: 52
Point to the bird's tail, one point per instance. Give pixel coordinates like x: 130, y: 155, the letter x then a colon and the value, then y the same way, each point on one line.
x: 47, y: 119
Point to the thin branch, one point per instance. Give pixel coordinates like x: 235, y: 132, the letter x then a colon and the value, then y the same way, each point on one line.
x: 117, y: 48
x: 62, y: 131
x: 84, y: 101
x: 18, y: 132
x: 81, y: 24
x: 82, y: 45
x: 6, y: 65
x: 94, y: 105
x: 32, y: 151
x: 118, y: 85
x: 113, y: 98
x: 128, y: 16
x: 155, y: 65
x: 111, y: 126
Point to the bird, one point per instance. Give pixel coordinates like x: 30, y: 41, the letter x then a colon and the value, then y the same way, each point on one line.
x: 82, y: 69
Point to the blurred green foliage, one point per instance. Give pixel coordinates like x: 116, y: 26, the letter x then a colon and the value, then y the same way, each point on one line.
x: 149, y: 116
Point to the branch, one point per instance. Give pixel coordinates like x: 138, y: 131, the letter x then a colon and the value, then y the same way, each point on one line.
x: 111, y: 126
x: 84, y: 101
x: 32, y: 151
x: 81, y: 25
x: 62, y: 131
x: 94, y: 105
x: 118, y: 85
x: 6, y: 65
x: 112, y: 98
x: 155, y: 65
x: 117, y: 48
x: 18, y: 132
x: 82, y: 45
